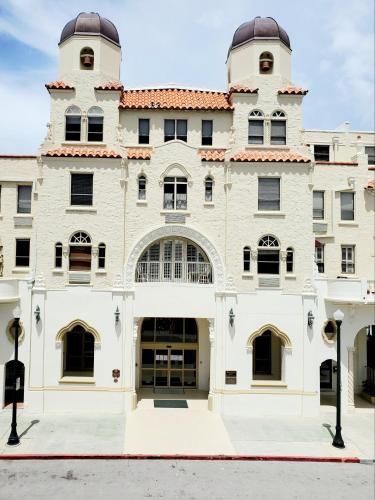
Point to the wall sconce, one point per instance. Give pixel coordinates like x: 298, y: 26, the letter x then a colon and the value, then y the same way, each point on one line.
x: 37, y: 314
x: 231, y: 317
x: 117, y: 315
x: 310, y: 319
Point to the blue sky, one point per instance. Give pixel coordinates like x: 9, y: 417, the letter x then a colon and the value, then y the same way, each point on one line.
x: 185, y: 42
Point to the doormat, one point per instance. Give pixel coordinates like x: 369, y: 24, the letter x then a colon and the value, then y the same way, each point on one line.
x: 170, y: 403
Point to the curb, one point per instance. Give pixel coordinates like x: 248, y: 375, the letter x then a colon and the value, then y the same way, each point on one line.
x: 249, y: 458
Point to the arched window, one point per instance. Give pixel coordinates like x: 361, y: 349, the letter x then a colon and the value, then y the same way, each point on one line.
x: 208, y: 188
x: 267, y: 357
x: 268, y: 255
x: 142, y: 187
x: 289, y: 260
x: 256, y: 127
x: 175, y: 193
x: 101, y: 255
x: 58, y: 255
x: 78, y: 353
x: 95, y: 119
x: 278, y: 127
x: 73, y: 124
x: 246, y: 259
x: 265, y: 63
x: 86, y: 57
x: 80, y: 252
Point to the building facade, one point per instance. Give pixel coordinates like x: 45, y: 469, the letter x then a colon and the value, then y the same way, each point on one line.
x: 181, y: 239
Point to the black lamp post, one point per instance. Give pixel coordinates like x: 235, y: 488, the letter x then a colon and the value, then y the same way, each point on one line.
x: 337, y: 440
x: 13, y: 436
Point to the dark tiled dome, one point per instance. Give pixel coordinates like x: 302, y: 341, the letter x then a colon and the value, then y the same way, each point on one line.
x: 90, y: 23
x: 260, y: 27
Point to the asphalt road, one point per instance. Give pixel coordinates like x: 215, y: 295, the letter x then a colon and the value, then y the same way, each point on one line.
x: 184, y: 480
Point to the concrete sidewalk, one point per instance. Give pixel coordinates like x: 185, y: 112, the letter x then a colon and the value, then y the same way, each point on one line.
x: 192, y: 431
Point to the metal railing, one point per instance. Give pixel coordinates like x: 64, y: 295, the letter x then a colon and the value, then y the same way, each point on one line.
x: 176, y: 272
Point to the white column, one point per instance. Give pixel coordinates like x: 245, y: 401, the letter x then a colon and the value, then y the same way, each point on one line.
x: 351, y: 406
x: 211, y: 331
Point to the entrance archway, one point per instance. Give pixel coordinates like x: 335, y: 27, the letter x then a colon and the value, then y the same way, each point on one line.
x: 327, y: 375
x: 169, y: 353
x: 364, y: 365
x: 9, y: 378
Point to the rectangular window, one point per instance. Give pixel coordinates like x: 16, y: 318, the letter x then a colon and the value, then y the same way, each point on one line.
x: 73, y: 128
x: 318, y: 204
x: 143, y: 131
x: 370, y: 152
x: 268, y: 193
x: 278, y: 132
x: 207, y: 131
x: 22, y: 253
x: 58, y: 255
x: 95, y: 129
x: 24, y: 200
x: 319, y: 256
x: 81, y: 192
x: 268, y: 261
x: 255, y: 132
x: 175, y: 193
x: 101, y: 256
x: 347, y: 259
x: 321, y: 152
x: 347, y: 206
x: 175, y: 129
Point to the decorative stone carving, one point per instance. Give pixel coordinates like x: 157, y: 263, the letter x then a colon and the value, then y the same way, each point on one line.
x: 184, y: 173
x: 283, y: 336
x: 308, y: 286
x: 119, y: 136
x: 40, y: 281
x: 174, y: 230
x: 77, y: 322
x: 230, y: 283
x: 283, y: 255
x: 254, y: 254
x: 117, y: 282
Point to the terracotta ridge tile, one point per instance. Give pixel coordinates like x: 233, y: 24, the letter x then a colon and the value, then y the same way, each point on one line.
x: 84, y: 152
x: 59, y: 85
x: 258, y: 155
x: 292, y: 90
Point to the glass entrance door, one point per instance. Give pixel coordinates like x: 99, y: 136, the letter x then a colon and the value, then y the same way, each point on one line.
x: 171, y: 366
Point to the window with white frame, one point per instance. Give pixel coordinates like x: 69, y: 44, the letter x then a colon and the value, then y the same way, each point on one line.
x: 142, y: 187
x: 73, y: 117
x: 175, y: 193
x: 268, y: 193
x: 24, y: 200
x: 370, y: 152
x: 246, y: 259
x: 289, y: 260
x: 256, y: 127
x: 81, y: 189
x: 267, y: 357
x: 347, y: 259
x: 268, y: 255
x: 278, y: 128
x: 22, y: 252
x: 318, y: 204
x: 347, y: 206
x: 321, y: 152
x: 80, y: 252
x: 208, y: 188
x: 319, y: 256
x: 207, y: 131
x: 143, y: 131
x: 95, y: 119
x: 58, y: 255
x: 78, y: 353
x: 175, y: 129
x: 101, y: 255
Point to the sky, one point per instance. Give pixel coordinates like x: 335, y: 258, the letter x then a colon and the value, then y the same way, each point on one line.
x: 185, y: 43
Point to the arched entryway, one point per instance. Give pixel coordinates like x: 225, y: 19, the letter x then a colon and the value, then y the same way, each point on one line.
x: 9, y: 380
x: 169, y: 353
x: 327, y: 376
x: 364, y: 365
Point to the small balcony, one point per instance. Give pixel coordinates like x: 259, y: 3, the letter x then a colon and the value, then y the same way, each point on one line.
x: 351, y: 291
x: 8, y: 290
x: 174, y: 272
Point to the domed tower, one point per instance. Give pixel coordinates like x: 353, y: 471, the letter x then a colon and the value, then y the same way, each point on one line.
x: 90, y: 49
x: 260, y: 51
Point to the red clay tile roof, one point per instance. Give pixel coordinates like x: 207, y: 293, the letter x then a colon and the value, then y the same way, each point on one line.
x: 110, y: 86
x: 84, y: 152
x: 58, y: 85
x: 254, y: 155
x: 212, y: 154
x: 290, y: 90
x: 370, y: 185
x: 171, y: 98
x: 240, y: 89
x: 139, y: 153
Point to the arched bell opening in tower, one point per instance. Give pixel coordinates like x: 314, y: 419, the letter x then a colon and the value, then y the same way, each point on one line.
x: 266, y: 62
x: 87, y: 58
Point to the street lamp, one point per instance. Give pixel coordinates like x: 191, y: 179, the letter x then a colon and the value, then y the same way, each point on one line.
x: 13, y: 436
x: 337, y: 440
